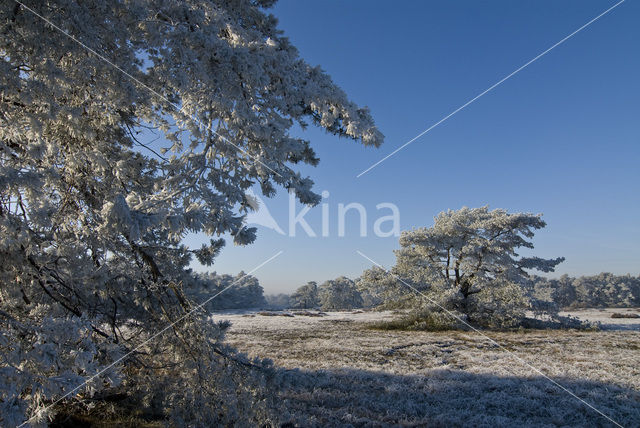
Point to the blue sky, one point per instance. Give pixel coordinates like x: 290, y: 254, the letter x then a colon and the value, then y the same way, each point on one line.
x: 562, y: 137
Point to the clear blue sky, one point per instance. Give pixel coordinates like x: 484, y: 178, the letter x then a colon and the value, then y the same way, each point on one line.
x: 562, y: 137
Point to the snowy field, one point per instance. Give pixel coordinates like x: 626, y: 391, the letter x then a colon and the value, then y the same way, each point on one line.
x: 603, y: 316
x: 338, y: 372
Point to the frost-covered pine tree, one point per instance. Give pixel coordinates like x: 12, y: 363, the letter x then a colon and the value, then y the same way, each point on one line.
x: 467, y: 263
x: 306, y: 296
x: 339, y: 293
x: 147, y: 120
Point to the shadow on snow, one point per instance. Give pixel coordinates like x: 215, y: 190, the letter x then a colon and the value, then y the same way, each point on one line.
x: 445, y: 398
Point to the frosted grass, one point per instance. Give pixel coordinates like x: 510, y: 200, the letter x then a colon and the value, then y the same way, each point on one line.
x: 336, y: 371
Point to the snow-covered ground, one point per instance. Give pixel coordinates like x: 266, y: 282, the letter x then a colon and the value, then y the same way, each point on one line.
x: 603, y: 316
x: 339, y: 372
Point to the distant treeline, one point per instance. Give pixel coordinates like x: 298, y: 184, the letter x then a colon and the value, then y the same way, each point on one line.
x: 232, y: 292
x: 597, y: 291
x: 336, y: 294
